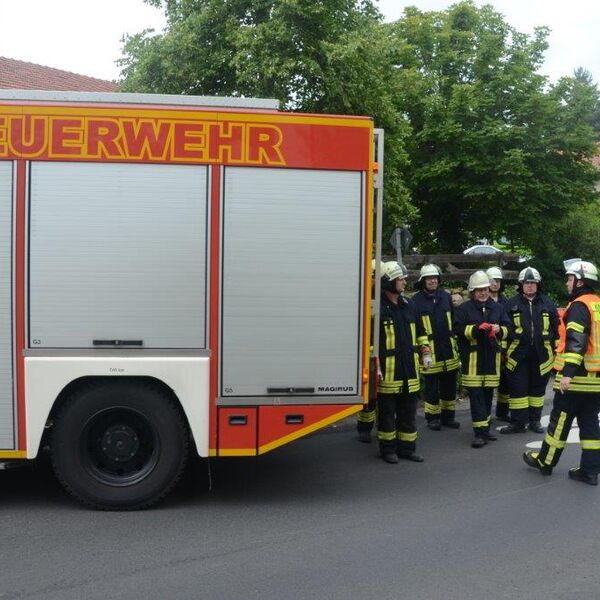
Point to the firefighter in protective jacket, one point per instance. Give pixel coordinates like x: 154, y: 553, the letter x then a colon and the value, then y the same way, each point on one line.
x: 398, y: 386
x: 480, y: 324
x: 366, y: 417
x: 497, y: 294
x: 530, y: 354
x: 439, y: 350
x: 577, y: 383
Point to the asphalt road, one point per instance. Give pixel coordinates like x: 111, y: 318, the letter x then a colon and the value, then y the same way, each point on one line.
x: 322, y: 518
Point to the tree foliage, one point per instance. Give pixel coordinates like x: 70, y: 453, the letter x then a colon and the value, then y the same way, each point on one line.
x: 325, y: 56
x: 478, y: 144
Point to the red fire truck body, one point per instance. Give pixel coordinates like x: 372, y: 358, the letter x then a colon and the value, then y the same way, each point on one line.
x: 177, y: 273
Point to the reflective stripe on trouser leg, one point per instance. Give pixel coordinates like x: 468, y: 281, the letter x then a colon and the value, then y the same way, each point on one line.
x: 561, y: 418
x: 366, y: 419
x: 589, y: 433
x: 479, y: 410
x: 518, y: 387
x: 448, y: 395
x: 386, y: 422
x: 537, y: 392
x: 432, y: 397
x: 406, y: 423
x: 503, y: 396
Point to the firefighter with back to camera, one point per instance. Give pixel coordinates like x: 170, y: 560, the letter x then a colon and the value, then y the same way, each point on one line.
x: 530, y: 354
x: 577, y: 383
x: 439, y: 351
x: 398, y: 384
x: 480, y: 324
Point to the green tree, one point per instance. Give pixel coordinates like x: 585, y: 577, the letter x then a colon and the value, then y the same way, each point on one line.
x: 492, y: 151
x: 325, y: 56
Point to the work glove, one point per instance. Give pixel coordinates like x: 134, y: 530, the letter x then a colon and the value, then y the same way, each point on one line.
x: 485, y: 327
x: 427, y: 360
x: 492, y: 333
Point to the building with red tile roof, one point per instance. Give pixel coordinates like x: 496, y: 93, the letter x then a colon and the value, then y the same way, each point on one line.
x: 17, y: 74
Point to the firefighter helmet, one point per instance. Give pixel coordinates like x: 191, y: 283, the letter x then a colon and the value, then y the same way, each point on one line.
x: 582, y: 269
x: 529, y: 274
x: 391, y: 271
x: 494, y: 273
x: 430, y: 270
x: 479, y: 280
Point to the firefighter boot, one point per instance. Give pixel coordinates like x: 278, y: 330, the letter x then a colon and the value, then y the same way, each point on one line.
x: 434, y: 425
x: 488, y: 437
x: 531, y: 459
x: 451, y: 424
x: 411, y: 456
x: 512, y: 428
x: 536, y: 427
x: 580, y: 475
x: 478, y: 442
x: 390, y: 457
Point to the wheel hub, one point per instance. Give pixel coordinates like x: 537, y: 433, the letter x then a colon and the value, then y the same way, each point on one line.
x: 120, y: 443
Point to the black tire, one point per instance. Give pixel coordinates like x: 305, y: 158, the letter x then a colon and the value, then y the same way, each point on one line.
x: 119, y: 445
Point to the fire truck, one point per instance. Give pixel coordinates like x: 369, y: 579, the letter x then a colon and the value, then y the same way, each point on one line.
x: 178, y: 274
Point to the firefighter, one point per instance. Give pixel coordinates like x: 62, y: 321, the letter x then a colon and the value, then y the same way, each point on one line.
x: 398, y: 385
x: 480, y: 324
x: 530, y: 354
x: 439, y: 351
x: 366, y: 417
x: 577, y: 383
x: 497, y: 294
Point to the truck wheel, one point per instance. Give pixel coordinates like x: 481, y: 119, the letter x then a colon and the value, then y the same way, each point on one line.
x: 119, y: 445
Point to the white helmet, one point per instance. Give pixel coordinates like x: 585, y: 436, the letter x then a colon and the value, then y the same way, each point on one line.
x: 494, y: 273
x: 582, y: 269
x: 530, y: 274
x: 430, y: 270
x: 479, y: 280
x: 390, y: 272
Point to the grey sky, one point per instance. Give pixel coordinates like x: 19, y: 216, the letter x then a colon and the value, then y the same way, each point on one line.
x: 84, y: 35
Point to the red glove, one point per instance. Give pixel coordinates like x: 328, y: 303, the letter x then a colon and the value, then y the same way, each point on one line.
x: 491, y: 333
x: 485, y: 327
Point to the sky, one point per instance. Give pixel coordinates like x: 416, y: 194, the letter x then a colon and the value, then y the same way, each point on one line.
x: 84, y: 36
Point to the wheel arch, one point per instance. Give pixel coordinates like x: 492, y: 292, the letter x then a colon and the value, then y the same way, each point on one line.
x: 71, y: 389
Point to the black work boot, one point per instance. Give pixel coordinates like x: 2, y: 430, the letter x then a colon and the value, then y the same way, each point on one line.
x: 451, y: 424
x: 512, y: 428
x: 390, y: 457
x: 364, y: 437
x: 488, y: 437
x: 536, y: 427
x: 478, y: 442
x: 410, y: 456
x: 434, y: 425
x: 580, y: 475
x: 531, y: 459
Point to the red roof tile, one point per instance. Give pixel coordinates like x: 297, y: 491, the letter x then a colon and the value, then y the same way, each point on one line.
x: 17, y: 74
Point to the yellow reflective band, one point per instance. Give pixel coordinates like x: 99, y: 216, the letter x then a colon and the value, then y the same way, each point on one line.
x: 407, y: 437
x: 422, y: 340
x: 551, y: 441
x: 386, y: 436
x: 472, y: 363
x: 545, y: 323
x: 554, y: 441
x: 536, y: 401
x: 432, y: 409
x: 491, y: 380
x: 479, y: 424
x: 366, y: 417
x: 390, y: 344
x: 469, y: 332
x: 517, y: 322
x: 448, y: 404
x: 572, y: 358
x: 517, y: 403
x: 575, y: 327
x: 590, y: 444
x: 504, y: 330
